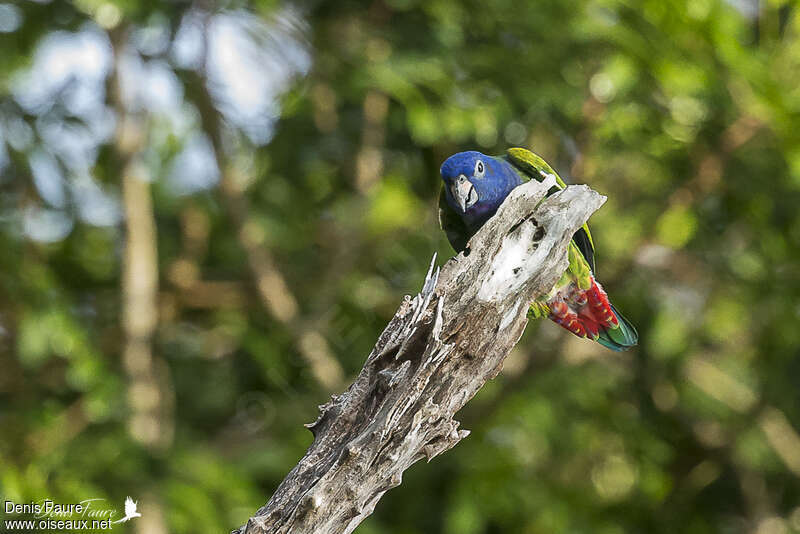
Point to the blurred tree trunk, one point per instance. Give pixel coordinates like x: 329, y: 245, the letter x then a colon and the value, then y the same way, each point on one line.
x: 150, y: 393
x: 435, y: 354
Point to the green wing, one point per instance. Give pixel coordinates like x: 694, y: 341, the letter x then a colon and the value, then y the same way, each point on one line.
x: 454, y: 228
x: 532, y: 166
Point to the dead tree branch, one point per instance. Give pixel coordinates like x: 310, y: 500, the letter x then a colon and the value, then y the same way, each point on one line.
x: 435, y: 354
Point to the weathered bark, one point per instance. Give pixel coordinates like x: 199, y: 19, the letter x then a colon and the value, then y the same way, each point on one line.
x: 437, y: 351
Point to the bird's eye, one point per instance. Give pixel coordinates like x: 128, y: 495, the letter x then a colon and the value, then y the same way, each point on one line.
x: 479, y: 169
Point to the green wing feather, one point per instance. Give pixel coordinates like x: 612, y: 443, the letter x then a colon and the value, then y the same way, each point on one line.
x: 583, y: 240
x: 530, y: 166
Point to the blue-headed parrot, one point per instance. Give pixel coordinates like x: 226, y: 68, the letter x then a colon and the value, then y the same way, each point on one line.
x: 474, y: 187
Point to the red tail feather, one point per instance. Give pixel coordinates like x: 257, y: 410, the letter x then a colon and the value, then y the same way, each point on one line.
x: 601, y: 308
x: 584, y: 313
x: 591, y: 326
x: 564, y: 316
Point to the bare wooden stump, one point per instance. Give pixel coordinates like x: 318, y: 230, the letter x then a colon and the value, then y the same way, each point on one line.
x: 435, y: 354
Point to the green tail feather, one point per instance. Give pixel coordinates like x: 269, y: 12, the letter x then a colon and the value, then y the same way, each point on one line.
x: 621, y: 338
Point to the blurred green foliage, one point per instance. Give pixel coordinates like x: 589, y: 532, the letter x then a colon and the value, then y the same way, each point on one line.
x: 291, y: 151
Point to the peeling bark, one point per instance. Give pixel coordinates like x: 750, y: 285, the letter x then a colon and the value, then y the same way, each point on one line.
x: 435, y: 354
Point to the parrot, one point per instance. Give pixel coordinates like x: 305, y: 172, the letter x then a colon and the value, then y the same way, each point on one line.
x: 475, y: 185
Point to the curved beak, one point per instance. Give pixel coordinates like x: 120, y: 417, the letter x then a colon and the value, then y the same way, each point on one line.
x: 464, y: 192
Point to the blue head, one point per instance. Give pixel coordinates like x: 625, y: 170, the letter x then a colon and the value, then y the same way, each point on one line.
x: 476, y: 184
